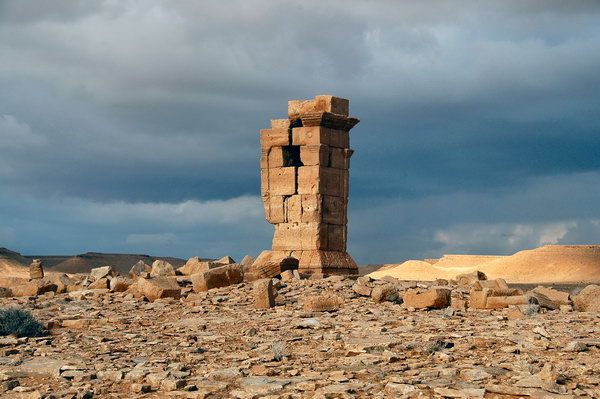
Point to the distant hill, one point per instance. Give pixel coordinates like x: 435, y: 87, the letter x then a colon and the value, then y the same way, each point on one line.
x: 13, y: 264
x: 85, y: 262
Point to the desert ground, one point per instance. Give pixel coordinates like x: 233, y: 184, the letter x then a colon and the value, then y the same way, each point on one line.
x: 334, y: 337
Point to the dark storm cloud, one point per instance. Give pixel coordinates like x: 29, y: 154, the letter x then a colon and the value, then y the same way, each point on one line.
x: 152, y: 104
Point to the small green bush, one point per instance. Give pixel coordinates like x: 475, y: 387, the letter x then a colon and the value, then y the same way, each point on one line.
x: 20, y: 323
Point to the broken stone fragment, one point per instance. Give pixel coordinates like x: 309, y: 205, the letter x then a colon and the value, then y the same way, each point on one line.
x: 588, y: 299
x: 101, y: 272
x: 542, y: 300
x: 225, y: 260
x: 36, y: 271
x: 119, y: 284
x: 34, y: 288
x: 498, y: 284
x: 263, y: 292
x: 196, y: 265
x: 62, y: 281
x: 558, y: 297
x: 100, y: 283
x: 222, y: 276
x: 386, y: 292
x: 162, y: 268
x: 470, y: 278
x: 138, y: 269
x: 247, y: 261
x: 363, y: 290
x: 156, y: 287
x: 434, y: 298
x: 322, y: 303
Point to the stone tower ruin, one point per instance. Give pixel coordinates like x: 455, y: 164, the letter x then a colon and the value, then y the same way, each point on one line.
x: 304, y: 182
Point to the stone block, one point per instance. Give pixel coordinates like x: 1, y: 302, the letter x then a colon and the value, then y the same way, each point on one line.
x: 263, y: 293
x: 162, y: 268
x: 278, y: 181
x: 221, y: 276
x: 100, y: 284
x: 274, y: 137
x: 339, y: 138
x: 336, y: 237
x: 293, y: 208
x: 275, y: 209
x: 321, y: 103
x: 558, y: 297
x: 247, y: 261
x: 385, y: 292
x: 138, y: 269
x: 194, y: 265
x: 478, y: 299
x: 311, y: 208
x: 588, y: 300
x: 434, y: 298
x: 501, y: 302
x: 321, y: 180
x: 338, y: 158
x: 101, y: 272
x: 36, y: 271
x: 321, y: 260
x: 119, y: 284
x: 271, y: 157
x: 362, y: 290
x: 300, y: 236
x: 34, y: 288
x: 322, y: 303
x: 225, y: 260
x: 157, y: 287
x: 497, y: 284
x: 314, y: 155
x: 280, y: 124
x: 334, y: 210
x: 311, y: 136
x: 470, y: 278
x: 542, y: 300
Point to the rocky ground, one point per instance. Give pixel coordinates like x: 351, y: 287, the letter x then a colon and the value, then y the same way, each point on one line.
x: 218, y: 345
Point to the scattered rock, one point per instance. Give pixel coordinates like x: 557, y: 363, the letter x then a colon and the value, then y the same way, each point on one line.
x: 362, y: 290
x: 264, y: 297
x: 36, y: 271
x: 119, y: 284
x: 157, y: 287
x: 470, y: 278
x: 322, y: 303
x: 102, y: 272
x: 558, y: 297
x: 588, y: 299
x: 34, y: 288
x: 162, y: 268
x: 387, y: 292
x: 221, y: 276
x: 139, y: 269
x: 434, y: 298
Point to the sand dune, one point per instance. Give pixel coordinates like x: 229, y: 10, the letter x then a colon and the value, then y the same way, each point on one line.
x: 547, y: 264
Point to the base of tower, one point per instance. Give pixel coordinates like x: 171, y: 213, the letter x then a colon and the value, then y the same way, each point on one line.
x: 312, y: 262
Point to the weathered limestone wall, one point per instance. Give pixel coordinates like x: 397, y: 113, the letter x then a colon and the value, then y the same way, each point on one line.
x: 305, y: 165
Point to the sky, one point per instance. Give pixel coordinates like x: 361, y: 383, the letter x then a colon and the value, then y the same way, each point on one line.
x: 132, y: 126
